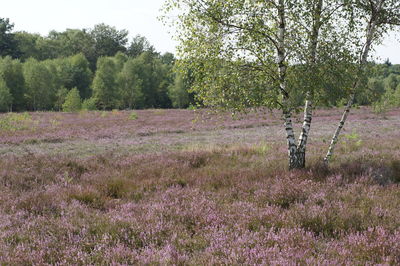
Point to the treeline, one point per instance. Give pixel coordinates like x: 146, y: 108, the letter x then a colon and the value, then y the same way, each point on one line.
x: 380, y: 88
x: 99, y: 69
x: 383, y: 88
x: 40, y: 73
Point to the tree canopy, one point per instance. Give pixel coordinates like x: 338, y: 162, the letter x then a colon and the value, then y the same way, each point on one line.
x: 8, y: 43
x: 273, y: 53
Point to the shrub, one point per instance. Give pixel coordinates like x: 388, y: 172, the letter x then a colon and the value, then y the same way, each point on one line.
x: 133, y: 115
x: 351, y: 142
x: 89, y: 104
x: 73, y: 102
x: 116, y: 188
x: 390, y: 99
x: 89, y: 197
x: 17, y: 121
x: 39, y: 203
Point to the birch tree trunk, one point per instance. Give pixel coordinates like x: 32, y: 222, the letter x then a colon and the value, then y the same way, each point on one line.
x: 282, y: 69
x: 371, y: 31
x: 339, y: 128
x: 301, y: 150
x: 308, y: 108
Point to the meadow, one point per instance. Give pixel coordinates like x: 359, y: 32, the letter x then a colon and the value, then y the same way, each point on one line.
x: 184, y: 187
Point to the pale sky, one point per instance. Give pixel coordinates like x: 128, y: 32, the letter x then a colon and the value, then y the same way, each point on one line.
x: 137, y: 16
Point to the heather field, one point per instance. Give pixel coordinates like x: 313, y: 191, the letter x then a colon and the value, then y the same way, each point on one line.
x: 182, y: 187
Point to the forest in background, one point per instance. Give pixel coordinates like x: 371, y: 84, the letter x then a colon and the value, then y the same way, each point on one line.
x: 98, y: 68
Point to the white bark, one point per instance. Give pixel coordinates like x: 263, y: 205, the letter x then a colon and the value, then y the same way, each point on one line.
x: 282, y: 68
x: 306, y: 125
x: 338, y: 129
x: 371, y: 31
x: 308, y: 108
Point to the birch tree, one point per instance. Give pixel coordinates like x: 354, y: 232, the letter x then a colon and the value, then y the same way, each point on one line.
x: 378, y: 17
x: 131, y: 84
x: 249, y: 53
x: 39, y: 91
x: 105, y: 89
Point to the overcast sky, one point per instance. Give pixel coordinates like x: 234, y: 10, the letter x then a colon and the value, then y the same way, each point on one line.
x: 137, y: 16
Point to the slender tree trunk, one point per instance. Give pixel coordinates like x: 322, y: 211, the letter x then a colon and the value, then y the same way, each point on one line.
x: 308, y: 108
x: 338, y: 129
x: 297, y: 153
x: 282, y: 69
x: 291, y: 142
x: 302, y: 144
x: 371, y: 31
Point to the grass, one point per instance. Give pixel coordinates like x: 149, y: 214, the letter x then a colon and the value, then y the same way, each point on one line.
x: 13, y: 122
x: 208, y: 193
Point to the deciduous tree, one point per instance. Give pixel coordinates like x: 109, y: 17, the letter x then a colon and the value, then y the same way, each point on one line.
x: 256, y: 54
x: 11, y: 73
x: 39, y: 92
x: 8, y: 44
x: 105, y: 89
x: 376, y: 17
x: 5, y: 96
x: 131, y: 84
x: 108, y: 40
x: 73, y: 102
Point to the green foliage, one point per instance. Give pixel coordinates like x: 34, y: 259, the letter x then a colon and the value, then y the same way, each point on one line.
x: 108, y: 40
x: 119, y: 60
x: 105, y: 88
x: 8, y: 44
x: 75, y: 41
x: 11, y: 73
x: 39, y: 92
x: 236, y: 78
x: 70, y: 72
x: 375, y: 89
x: 390, y: 99
x: 73, y: 102
x: 89, y: 104
x: 388, y: 78
x: 102, y: 40
x: 89, y: 197
x: 5, y: 96
x: 81, y: 75
x: 178, y: 92
x: 139, y: 45
x: 351, y: 142
x: 392, y: 81
x: 133, y: 115
x: 155, y: 79
x: 131, y: 84
x: 50, y: 65
x: 231, y: 48
x: 116, y: 188
x: 61, y: 96
x: 17, y: 121
x: 261, y: 148
x: 27, y: 45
